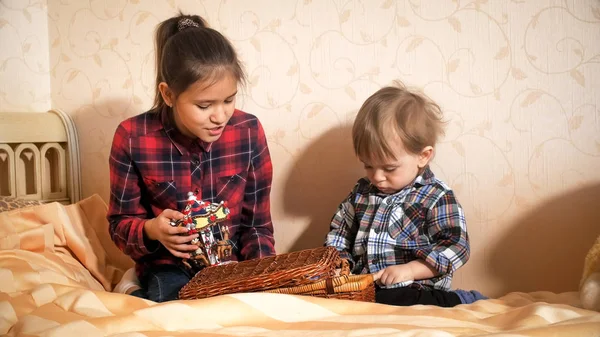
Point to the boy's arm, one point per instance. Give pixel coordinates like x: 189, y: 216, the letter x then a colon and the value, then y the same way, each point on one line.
x: 412, y: 271
x: 341, y: 232
x: 126, y: 216
x: 447, y: 227
x: 256, y: 239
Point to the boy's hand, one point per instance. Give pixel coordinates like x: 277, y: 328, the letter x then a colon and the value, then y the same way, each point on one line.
x: 170, y: 236
x: 394, y: 274
x: 412, y: 271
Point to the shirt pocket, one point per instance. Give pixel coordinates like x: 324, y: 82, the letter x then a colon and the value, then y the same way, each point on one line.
x: 407, y: 226
x: 162, y: 193
x: 230, y: 188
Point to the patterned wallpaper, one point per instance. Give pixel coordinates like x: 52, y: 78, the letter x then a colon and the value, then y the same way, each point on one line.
x: 519, y: 82
x: 24, y: 56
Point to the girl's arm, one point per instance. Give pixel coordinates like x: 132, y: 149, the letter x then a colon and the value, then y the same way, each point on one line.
x: 126, y: 215
x: 256, y: 239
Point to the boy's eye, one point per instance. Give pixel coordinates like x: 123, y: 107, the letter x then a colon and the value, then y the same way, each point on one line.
x: 390, y: 169
x: 367, y: 167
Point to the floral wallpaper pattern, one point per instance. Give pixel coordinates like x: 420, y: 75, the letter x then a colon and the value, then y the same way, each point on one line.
x: 519, y: 82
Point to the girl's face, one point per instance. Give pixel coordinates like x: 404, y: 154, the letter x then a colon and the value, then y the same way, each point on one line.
x: 203, y: 109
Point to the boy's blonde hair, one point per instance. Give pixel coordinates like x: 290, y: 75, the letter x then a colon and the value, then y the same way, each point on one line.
x: 396, y: 111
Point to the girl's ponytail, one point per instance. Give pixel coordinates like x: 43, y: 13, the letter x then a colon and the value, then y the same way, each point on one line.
x: 163, y: 33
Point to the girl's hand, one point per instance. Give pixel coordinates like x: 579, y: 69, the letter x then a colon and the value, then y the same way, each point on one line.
x: 170, y: 236
x: 394, y: 274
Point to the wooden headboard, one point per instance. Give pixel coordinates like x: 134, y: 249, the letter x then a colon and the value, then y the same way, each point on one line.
x: 39, y: 157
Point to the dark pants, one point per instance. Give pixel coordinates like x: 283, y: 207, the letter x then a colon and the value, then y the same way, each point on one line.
x: 407, y: 296
x: 162, y: 283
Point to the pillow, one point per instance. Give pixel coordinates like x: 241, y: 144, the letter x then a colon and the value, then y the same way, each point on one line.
x: 9, y: 203
x: 76, y: 234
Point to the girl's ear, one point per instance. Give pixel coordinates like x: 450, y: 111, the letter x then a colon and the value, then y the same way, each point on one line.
x: 425, y: 156
x: 166, y: 93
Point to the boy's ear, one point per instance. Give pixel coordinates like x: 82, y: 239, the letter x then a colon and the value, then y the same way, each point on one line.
x: 425, y: 156
x: 166, y: 93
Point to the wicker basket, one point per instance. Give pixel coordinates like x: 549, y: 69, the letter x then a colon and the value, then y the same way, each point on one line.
x: 309, y: 272
x: 356, y: 288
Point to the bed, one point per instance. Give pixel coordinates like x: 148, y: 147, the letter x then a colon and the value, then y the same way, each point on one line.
x: 39, y: 158
x: 58, y: 266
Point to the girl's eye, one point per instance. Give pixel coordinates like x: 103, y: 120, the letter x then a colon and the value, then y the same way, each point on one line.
x: 203, y: 107
x: 229, y: 101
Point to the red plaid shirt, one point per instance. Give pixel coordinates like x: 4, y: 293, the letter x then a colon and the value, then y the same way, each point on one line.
x: 153, y: 167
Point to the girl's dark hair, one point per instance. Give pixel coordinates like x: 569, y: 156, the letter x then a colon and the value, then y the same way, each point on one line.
x: 187, y: 51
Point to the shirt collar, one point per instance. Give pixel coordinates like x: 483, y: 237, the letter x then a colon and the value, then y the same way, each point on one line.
x: 425, y: 178
x: 182, y: 143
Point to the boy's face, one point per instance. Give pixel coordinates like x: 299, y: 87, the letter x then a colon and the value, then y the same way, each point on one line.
x: 203, y: 111
x: 394, y: 174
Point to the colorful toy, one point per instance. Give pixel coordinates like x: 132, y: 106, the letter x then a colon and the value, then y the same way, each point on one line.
x: 204, y: 218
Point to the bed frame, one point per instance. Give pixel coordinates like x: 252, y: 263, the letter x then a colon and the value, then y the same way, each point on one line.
x: 39, y: 157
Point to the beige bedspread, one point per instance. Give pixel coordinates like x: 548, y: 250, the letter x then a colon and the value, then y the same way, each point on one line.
x: 57, y: 263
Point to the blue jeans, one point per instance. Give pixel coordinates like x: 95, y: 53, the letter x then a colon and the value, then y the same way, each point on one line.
x: 162, y: 283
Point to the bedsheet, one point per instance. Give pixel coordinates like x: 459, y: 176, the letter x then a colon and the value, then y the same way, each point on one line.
x: 58, y: 265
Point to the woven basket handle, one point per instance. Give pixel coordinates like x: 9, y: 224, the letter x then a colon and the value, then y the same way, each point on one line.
x: 336, y: 281
x: 328, y: 284
x: 344, y: 266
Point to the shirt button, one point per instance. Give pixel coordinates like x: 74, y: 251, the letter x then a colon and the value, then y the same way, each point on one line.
x: 195, y: 160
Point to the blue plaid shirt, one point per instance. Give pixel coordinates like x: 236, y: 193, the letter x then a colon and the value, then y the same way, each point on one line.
x: 423, y: 221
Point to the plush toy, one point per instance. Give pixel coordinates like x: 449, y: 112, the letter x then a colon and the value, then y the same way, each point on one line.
x: 589, y: 288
